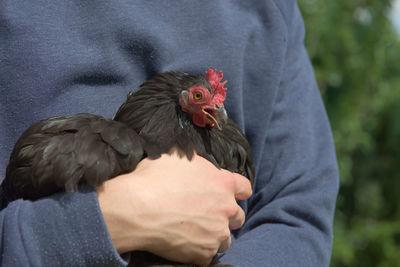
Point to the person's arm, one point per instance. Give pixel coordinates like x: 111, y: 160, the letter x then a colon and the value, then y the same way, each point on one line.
x: 182, y: 213
x: 61, y: 230
x: 289, y: 220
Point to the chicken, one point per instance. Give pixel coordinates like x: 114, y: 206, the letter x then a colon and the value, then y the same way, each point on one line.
x: 59, y: 153
x: 178, y: 110
x: 174, y: 110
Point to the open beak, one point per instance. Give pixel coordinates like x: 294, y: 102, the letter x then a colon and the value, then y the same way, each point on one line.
x: 215, y: 115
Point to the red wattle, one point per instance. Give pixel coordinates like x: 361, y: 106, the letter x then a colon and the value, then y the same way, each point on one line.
x: 199, y: 119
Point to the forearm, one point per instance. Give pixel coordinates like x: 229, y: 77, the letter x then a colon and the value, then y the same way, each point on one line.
x: 62, y: 230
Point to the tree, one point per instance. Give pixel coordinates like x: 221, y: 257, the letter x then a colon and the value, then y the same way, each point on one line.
x: 356, y: 55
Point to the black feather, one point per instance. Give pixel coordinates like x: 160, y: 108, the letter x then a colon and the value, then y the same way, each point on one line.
x: 61, y: 152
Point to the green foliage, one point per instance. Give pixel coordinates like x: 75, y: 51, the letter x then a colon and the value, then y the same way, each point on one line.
x: 356, y: 55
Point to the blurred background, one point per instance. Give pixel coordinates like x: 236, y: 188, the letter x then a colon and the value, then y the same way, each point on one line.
x: 355, y: 50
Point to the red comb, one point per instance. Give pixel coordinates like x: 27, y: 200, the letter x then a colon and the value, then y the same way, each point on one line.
x: 215, y: 79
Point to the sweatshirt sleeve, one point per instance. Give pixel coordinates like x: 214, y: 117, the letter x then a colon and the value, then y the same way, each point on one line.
x: 61, y: 230
x: 290, y: 215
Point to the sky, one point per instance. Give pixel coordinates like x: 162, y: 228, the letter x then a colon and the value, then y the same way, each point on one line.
x: 396, y: 15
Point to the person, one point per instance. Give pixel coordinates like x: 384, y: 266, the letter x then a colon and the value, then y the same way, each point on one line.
x: 67, y: 57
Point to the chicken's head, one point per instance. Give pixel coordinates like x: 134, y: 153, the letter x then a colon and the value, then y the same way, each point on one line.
x: 205, y: 107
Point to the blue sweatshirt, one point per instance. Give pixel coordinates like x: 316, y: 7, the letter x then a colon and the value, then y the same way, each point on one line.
x: 71, y: 56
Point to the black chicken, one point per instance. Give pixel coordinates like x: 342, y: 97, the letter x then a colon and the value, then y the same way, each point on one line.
x: 172, y: 110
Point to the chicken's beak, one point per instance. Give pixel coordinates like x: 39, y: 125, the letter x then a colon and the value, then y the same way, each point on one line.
x: 216, y: 115
x: 222, y: 115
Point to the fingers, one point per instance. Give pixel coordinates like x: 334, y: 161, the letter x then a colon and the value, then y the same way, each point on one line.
x: 225, y: 245
x: 242, y: 187
x: 236, y: 221
x: 242, y: 190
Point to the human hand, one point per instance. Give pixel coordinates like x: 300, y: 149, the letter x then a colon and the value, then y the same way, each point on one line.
x: 178, y: 209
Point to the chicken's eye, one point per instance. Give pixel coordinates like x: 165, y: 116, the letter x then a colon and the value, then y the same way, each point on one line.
x: 197, y: 96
